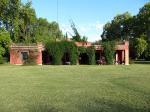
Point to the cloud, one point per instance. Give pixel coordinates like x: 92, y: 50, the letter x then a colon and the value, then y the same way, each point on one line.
x: 83, y: 29
x: 91, y: 30
x: 66, y: 28
x: 99, y: 26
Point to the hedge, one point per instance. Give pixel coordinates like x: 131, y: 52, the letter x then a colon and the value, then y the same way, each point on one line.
x: 58, y: 49
x: 109, y: 51
x: 90, y: 51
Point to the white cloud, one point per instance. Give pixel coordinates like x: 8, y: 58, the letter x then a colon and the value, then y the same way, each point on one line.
x: 91, y: 30
x: 99, y: 26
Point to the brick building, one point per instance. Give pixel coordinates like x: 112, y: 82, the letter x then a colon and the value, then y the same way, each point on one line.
x: 19, y: 53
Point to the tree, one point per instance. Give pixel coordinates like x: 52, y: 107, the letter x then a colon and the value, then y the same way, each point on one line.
x: 76, y: 36
x: 4, y: 44
x: 56, y: 33
x: 46, y: 31
x: 27, y: 23
x: 9, y: 15
x: 118, y: 28
x: 126, y: 27
x: 144, y: 19
x: 140, y: 46
x: 147, y: 53
x: 3, y: 8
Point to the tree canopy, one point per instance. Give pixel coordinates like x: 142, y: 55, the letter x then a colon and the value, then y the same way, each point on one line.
x: 127, y: 27
x: 21, y: 22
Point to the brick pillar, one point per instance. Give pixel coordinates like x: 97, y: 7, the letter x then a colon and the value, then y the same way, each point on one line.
x: 39, y: 58
x: 126, y: 57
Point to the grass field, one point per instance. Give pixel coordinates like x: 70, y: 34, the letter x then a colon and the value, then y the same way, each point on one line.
x: 75, y: 88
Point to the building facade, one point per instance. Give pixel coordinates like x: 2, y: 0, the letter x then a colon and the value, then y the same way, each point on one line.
x: 20, y: 53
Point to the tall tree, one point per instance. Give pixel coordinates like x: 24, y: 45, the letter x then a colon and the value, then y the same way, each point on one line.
x: 140, y: 46
x: 27, y: 23
x: 47, y: 31
x: 76, y: 36
x: 118, y: 28
x: 9, y: 14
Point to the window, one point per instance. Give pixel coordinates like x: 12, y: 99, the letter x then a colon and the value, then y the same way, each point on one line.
x: 24, y: 55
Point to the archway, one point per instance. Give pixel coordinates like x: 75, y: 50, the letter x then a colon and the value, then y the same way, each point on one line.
x: 66, y: 59
x: 83, y: 59
x: 46, y: 58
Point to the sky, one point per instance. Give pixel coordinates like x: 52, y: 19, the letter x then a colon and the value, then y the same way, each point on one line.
x: 89, y: 16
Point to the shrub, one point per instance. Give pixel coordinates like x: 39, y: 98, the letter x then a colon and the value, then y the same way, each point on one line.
x: 91, y: 55
x: 2, y: 52
x: 109, y: 51
x: 72, y: 50
x: 140, y: 46
x: 90, y: 51
x: 55, y: 50
x: 4, y: 45
x: 31, y: 60
x: 58, y: 49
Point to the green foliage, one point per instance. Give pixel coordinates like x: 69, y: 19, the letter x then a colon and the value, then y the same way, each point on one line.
x: 142, y: 22
x: 90, y: 51
x: 71, y: 49
x: 140, y: 46
x: 4, y: 39
x: 147, y: 53
x: 58, y: 49
x: 21, y: 22
x: 4, y: 44
x: 125, y: 26
x: 27, y: 23
x: 2, y: 52
x: 77, y: 37
x: 91, y: 55
x: 31, y: 60
x: 109, y: 51
x: 47, y: 31
x: 3, y: 8
x: 55, y: 50
x: 118, y: 28
x: 81, y: 50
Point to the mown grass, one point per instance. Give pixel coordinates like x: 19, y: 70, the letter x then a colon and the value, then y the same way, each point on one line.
x: 75, y: 88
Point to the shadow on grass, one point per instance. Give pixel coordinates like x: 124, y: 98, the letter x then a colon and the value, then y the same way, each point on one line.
x: 103, y: 105
x: 141, y: 62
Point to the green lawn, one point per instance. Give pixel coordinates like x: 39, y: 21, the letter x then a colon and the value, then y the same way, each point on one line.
x: 75, y: 88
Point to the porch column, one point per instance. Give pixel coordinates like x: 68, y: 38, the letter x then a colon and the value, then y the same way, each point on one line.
x: 126, y: 57
x: 39, y: 58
